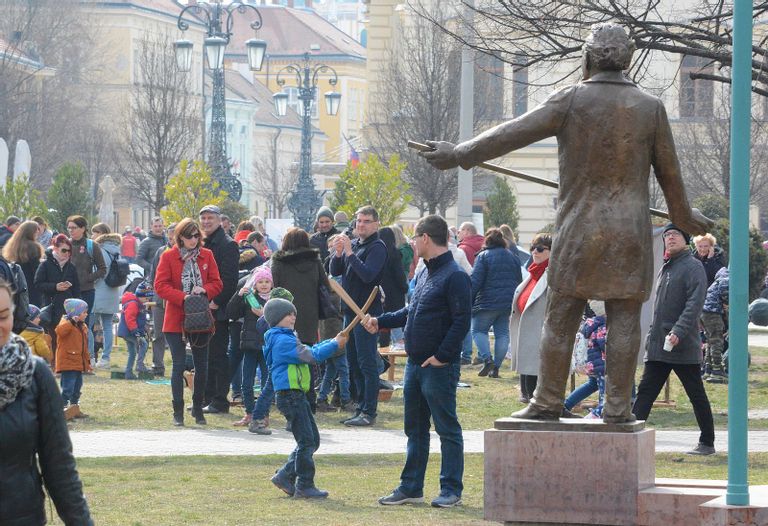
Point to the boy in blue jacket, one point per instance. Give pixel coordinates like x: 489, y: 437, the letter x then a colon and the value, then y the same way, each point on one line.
x: 288, y: 360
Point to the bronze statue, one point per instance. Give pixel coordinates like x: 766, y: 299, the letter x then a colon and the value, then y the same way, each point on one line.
x: 609, y: 134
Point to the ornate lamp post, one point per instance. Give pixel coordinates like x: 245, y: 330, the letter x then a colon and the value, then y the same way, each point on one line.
x: 218, y: 21
x: 305, y: 200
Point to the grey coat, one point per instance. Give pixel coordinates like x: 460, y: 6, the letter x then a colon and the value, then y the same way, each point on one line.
x: 525, y: 327
x: 680, y: 291
x: 147, y: 250
x: 107, y: 299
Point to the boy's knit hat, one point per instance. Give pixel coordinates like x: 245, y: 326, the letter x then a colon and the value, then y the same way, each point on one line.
x: 33, y: 311
x: 262, y: 272
x: 324, y: 211
x: 276, y: 309
x: 672, y: 226
x: 74, y: 307
x: 280, y: 292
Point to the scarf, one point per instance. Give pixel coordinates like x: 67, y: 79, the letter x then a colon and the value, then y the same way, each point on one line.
x: 190, y: 274
x: 536, y: 270
x: 16, y: 369
x: 61, y: 259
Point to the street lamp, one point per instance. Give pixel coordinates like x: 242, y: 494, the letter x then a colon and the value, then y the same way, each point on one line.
x: 305, y: 200
x: 218, y: 21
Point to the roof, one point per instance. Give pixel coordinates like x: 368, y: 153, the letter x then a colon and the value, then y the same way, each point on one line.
x: 291, y: 32
x: 163, y: 7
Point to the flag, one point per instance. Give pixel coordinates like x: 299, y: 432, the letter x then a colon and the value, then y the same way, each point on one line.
x: 354, y: 157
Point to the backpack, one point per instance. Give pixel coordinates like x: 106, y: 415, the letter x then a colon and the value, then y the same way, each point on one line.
x: 117, y: 273
x: 12, y: 273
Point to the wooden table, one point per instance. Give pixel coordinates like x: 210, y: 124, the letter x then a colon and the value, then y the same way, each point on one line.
x: 390, y: 355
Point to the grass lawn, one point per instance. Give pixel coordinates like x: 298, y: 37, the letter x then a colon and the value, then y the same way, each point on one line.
x: 237, y: 490
x: 123, y: 404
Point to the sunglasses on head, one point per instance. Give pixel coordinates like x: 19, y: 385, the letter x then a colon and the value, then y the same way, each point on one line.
x: 192, y: 236
x: 539, y: 248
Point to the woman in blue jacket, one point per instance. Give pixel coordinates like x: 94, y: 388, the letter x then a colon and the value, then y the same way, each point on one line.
x: 495, y: 277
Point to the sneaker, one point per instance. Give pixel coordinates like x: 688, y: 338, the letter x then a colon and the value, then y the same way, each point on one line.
x: 717, y: 377
x: 243, y: 422
x: 397, y: 497
x: 102, y: 364
x: 354, y: 415
x: 464, y: 361
x: 259, y: 427
x: 487, y: 368
x: 284, y: 483
x: 310, y: 493
x: 361, y: 420
x: 349, y: 405
x: 702, y: 450
x: 446, y: 500
x: 324, y: 407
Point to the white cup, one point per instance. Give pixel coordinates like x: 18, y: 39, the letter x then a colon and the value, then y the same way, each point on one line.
x: 668, y: 345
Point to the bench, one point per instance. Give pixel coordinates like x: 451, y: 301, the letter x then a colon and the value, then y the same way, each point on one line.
x: 390, y: 355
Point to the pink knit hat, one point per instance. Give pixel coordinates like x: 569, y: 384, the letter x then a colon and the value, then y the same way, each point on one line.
x: 262, y: 272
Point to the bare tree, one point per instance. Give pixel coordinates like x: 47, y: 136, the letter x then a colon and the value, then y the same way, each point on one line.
x: 419, y: 98
x: 543, y: 33
x: 272, y: 182
x: 163, y: 124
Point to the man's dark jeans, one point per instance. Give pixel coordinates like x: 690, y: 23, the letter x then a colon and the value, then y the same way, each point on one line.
x: 300, y: 466
x: 431, y: 391
x: 363, y: 359
x: 217, y: 386
x: 655, y: 375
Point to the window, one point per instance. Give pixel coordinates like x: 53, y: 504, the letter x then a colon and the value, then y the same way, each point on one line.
x: 519, y: 88
x: 696, y: 96
x: 489, y: 86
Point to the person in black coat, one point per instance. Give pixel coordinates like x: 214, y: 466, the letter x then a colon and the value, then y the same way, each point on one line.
x: 34, y: 442
x: 56, y: 279
x: 227, y: 257
x: 394, y: 283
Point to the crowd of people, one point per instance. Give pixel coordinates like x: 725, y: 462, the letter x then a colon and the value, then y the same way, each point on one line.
x: 274, y: 319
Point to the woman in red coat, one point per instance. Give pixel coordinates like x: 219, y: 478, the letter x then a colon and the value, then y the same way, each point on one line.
x: 186, y: 269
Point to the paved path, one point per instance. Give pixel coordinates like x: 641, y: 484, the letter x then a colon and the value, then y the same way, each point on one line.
x: 195, y: 441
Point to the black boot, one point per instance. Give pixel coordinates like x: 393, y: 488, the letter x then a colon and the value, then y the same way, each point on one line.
x: 494, y: 372
x: 178, y: 413
x: 197, y: 414
x: 487, y: 368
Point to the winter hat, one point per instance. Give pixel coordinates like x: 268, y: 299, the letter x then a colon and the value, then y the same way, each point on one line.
x: 671, y: 226
x: 262, y: 272
x: 324, y: 212
x: 276, y: 309
x: 74, y: 307
x: 33, y: 311
x: 280, y: 292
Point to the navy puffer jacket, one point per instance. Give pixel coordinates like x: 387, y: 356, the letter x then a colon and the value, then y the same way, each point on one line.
x: 495, y: 277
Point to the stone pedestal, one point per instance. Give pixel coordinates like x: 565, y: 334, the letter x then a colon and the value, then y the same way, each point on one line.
x: 571, y: 472
x: 717, y: 513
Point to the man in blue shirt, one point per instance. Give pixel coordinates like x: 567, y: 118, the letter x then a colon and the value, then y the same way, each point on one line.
x: 360, y: 263
x: 436, y: 322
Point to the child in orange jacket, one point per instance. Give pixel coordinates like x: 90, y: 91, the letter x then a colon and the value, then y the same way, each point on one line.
x: 72, y: 357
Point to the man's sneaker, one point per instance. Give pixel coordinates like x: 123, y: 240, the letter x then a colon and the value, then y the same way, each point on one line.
x: 259, y: 427
x: 310, y: 493
x: 354, y: 415
x: 349, y: 405
x: 717, y: 377
x: 324, y: 407
x: 702, y: 450
x: 446, y: 500
x: 398, y: 497
x: 284, y: 483
x: 102, y: 364
x: 361, y: 420
x: 466, y: 361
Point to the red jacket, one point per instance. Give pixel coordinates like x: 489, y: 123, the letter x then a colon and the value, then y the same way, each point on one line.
x: 128, y: 246
x: 168, y: 284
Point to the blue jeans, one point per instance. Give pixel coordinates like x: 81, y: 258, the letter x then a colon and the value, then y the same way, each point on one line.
x: 106, y: 326
x: 133, y: 344
x: 431, y: 392
x: 252, y: 359
x: 466, y: 346
x: 482, y: 321
x: 363, y: 360
x: 71, y: 384
x: 333, y: 367
x: 581, y: 392
x: 397, y: 334
x: 300, y: 465
x: 263, y: 404
x: 235, y: 356
x: 89, y: 296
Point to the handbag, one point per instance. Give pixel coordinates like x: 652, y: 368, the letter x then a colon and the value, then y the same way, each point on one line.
x: 326, y: 309
x: 197, y: 315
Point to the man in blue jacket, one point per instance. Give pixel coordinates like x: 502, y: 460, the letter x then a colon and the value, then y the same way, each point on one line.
x: 436, y: 322
x: 360, y: 263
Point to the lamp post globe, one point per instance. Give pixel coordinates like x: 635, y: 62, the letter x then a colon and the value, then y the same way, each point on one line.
x: 256, y: 48
x: 183, y: 51
x: 280, y: 100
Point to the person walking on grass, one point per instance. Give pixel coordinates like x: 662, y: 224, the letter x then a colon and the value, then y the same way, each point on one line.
x: 436, y: 322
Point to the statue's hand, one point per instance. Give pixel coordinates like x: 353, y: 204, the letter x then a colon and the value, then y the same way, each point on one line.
x: 699, y: 223
x: 442, y: 155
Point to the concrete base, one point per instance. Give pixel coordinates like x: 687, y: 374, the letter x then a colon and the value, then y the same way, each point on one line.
x: 717, y: 513
x: 590, y: 476
x: 676, y: 501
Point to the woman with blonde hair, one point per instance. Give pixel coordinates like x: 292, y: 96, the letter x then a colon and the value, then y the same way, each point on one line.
x: 24, y: 250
